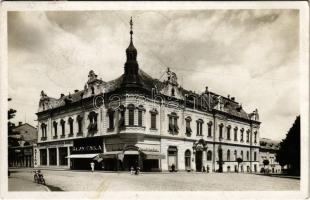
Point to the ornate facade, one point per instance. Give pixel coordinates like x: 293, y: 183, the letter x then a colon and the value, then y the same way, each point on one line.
x: 138, y: 120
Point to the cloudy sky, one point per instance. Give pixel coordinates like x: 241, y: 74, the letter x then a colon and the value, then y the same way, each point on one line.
x: 249, y: 54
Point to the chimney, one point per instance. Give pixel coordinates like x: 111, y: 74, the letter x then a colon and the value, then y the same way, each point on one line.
x: 228, y: 96
x: 62, y: 95
x: 20, y: 123
x: 207, y: 90
x: 76, y: 91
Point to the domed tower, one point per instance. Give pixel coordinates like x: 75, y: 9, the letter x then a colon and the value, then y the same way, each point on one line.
x: 131, y: 77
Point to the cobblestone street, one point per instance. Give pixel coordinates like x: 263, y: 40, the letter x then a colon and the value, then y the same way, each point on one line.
x: 99, y: 181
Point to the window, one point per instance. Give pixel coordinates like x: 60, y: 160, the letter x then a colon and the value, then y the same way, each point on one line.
x: 43, y: 129
x: 199, y: 127
x: 209, y: 155
x: 247, y: 155
x: 221, y: 131
x: 255, y: 137
x: 228, y: 155
x: 255, y: 156
x: 172, y: 92
x: 140, y: 118
x: 188, y: 159
x: 236, y: 133
x: 55, y: 129
x: 210, y: 129
x: 235, y: 154
x: 79, y: 119
x: 173, y: 123
x: 70, y: 121
x: 247, y: 135
x: 153, y: 118
x: 111, y: 119
x: 241, y: 134
x: 131, y: 115
x: 92, y: 127
x: 62, y: 123
x: 241, y: 153
x: 172, y: 157
x: 228, y: 132
x: 188, y: 125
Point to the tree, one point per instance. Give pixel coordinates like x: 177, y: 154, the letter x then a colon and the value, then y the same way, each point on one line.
x: 239, y: 161
x: 289, y: 150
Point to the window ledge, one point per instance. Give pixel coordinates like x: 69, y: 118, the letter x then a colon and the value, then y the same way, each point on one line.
x: 79, y: 133
x: 70, y: 135
x: 62, y: 136
x: 55, y: 137
x: 110, y: 129
x: 153, y: 129
x: 43, y: 138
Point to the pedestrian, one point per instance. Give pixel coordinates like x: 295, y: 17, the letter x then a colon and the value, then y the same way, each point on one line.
x: 92, y: 166
x: 131, y: 170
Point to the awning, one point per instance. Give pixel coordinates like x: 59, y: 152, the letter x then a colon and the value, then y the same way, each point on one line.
x: 111, y: 154
x: 131, y: 152
x: 153, y: 155
x: 92, y: 155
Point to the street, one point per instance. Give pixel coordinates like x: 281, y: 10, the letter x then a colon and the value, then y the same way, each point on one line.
x: 22, y: 180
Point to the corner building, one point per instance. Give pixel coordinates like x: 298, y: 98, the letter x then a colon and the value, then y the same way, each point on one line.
x: 136, y: 120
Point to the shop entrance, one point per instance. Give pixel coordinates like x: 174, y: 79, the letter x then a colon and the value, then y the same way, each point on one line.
x: 84, y: 164
x: 130, y: 161
x: 199, y: 161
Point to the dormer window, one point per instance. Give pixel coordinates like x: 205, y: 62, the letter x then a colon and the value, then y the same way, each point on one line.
x: 172, y: 92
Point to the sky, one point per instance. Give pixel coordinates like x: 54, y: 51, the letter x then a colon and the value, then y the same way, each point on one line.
x: 251, y: 55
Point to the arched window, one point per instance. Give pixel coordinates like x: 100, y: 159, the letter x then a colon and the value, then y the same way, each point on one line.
x: 241, y: 153
x: 55, y: 129
x: 241, y: 134
x: 255, y: 137
x: 131, y: 115
x: 228, y: 155
x: 79, y: 120
x: 62, y: 123
x: 188, y: 130
x: 70, y: 121
x: 247, y: 155
x: 221, y: 131
x: 255, y: 156
x: 210, y: 129
x: 92, y: 127
x: 199, y: 127
x: 153, y: 112
x: 173, y: 123
x: 235, y: 154
x: 228, y: 132
x: 188, y: 159
x: 43, y: 129
x: 247, y: 135
x: 209, y: 155
x: 140, y: 114
x: 236, y: 133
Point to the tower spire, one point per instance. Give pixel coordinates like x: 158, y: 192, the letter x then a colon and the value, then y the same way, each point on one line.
x: 131, y: 32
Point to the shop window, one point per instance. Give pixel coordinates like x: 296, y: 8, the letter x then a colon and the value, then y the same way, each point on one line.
x: 63, y: 153
x: 173, y: 123
x: 43, y: 157
x: 228, y: 132
x: 210, y: 129
x: 188, y: 159
x: 70, y: 121
x: 55, y: 129
x: 236, y: 133
x: 92, y: 127
x: 209, y: 155
x: 52, y: 156
x: 62, y: 123
x: 228, y: 155
x: 79, y: 120
x: 199, y: 127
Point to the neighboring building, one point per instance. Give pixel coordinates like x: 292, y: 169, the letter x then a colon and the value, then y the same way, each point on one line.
x: 21, y: 145
x: 138, y: 120
x: 268, y: 150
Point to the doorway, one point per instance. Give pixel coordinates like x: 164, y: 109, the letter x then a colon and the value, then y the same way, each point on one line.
x: 130, y: 161
x: 198, y: 161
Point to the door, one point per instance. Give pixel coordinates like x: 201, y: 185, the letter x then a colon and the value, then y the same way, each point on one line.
x: 199, y: 161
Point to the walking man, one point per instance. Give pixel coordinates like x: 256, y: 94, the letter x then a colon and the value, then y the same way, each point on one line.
x: 92, y: 166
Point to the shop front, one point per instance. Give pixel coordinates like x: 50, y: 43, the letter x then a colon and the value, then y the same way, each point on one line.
x: 85, y: 151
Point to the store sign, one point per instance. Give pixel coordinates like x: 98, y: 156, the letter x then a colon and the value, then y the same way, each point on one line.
x: 87, y: 145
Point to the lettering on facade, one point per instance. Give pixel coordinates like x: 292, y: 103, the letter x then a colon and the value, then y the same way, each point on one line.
x: 94, y: 148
